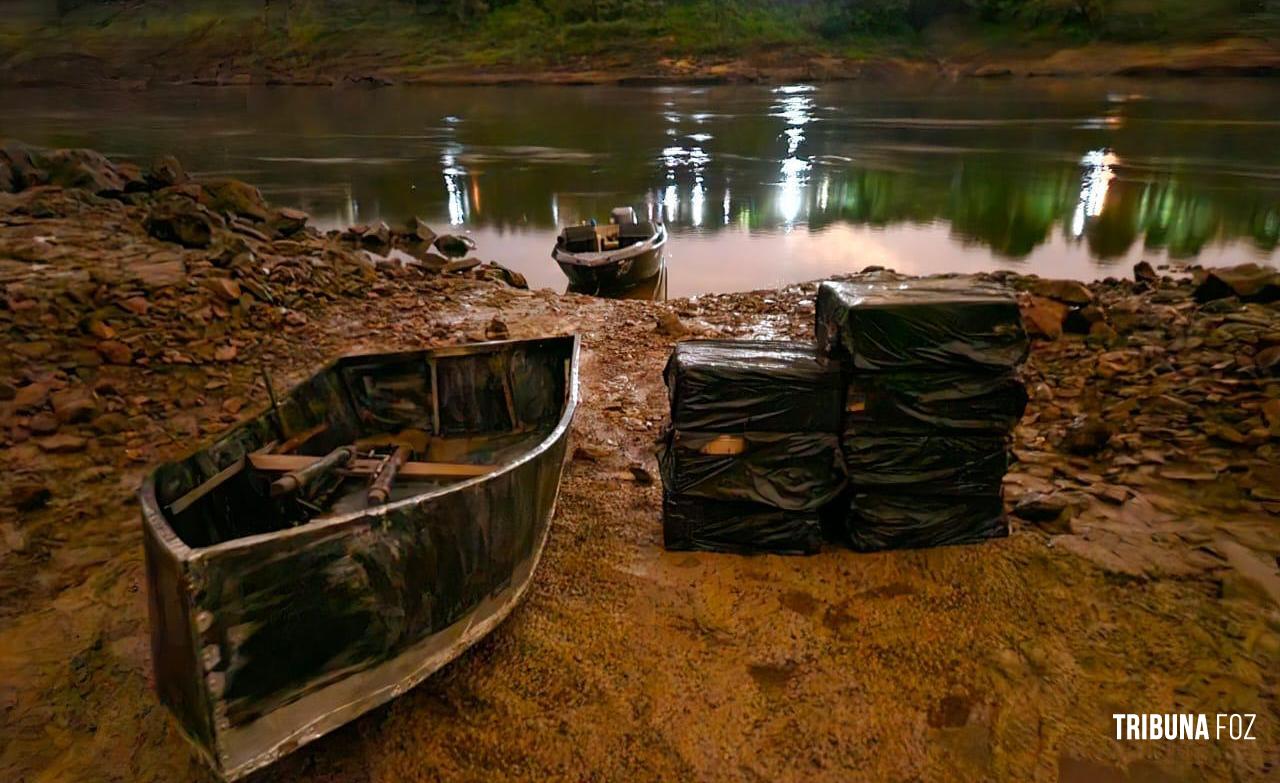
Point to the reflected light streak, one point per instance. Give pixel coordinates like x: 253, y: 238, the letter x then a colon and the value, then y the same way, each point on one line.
x: 1094, y: 184
x: 670, y: 203
x: 697, y: 201
x: 726, y: 206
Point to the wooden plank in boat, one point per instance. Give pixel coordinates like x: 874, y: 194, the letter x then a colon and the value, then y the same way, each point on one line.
x: 288, y: 462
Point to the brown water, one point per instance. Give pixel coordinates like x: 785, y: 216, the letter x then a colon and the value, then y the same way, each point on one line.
x: 760, y: 185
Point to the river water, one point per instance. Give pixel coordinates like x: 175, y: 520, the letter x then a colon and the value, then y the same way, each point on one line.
x: 759, y: 185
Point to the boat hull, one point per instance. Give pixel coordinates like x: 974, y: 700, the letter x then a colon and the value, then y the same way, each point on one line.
x: 265, y: 642
x: 613, y: 275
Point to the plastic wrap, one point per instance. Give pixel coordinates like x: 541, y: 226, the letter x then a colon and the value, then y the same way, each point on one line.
x: 878, y: 522
x: 737, y: 386
x: 938, y: 464
x: 790, y: 470
x: 696, y: 524
x: 927, y: 324
x: 926, y: 402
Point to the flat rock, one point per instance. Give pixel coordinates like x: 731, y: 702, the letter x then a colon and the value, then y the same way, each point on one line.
x: 1070, y: 292
x: 62, y: 444
x: 1250, y: 282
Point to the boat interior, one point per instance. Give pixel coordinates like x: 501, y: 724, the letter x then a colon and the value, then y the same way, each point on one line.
x: 369, y: 430
x: 622, y: 231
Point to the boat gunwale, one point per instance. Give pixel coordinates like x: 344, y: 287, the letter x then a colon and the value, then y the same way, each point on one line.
x: 601, y: 258
x: 156, y: 520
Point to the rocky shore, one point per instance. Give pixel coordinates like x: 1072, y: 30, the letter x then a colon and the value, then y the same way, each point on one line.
x: 106, y: 65
x: 1143, y: 573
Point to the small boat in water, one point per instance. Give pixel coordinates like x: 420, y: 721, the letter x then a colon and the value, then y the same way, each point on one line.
x: 611, y: 257
x: 326, y: 556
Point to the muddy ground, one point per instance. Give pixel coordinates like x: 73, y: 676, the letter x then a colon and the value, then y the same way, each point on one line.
x: 1154, y: 587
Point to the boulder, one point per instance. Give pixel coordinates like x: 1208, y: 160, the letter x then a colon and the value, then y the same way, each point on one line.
x: 1143, y: 272
x: 164, y: 172
x: 1268, y: 360
x: 418, y: 231
x: 184, y: 222
x: 376, y: 238
x: 235, y: 197
x: 454, y: 245
x: 21, y: 169
x: 496, y: 271
x: 1069, y: 291
x: 1042, y: 317
x: 288, y: 221
x: 115, y: 352
x: 84, y: 169
x: 1250, y: 282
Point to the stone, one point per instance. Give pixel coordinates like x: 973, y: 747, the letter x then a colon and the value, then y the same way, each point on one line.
x: 225, y: 353
x: 136, y: 304
x: 1250, y: 282
x: 288, y: 221
x: 461, y: 265
x: 43, y: 423
x: 1102, y: 333
x: 453, y: 245
x: 1271, y: 413
x: 110, y: 423
x: 669, y: 325
x: 496, y: 330
x: 1042, y: 317
x: 30, y: 495
x: 74, y: 405
x: 62, y: 444
x: 1080, y: 319
x: 376, y: 238
x: 1039, y: 507
x: 224, y: 288
x: 1143, y: 272
x: 419, y: 231
x: 496, y: 271
x: 1086, y: 435
x: 31, y: 397
x: 1070, y: 292
x: 161, y: 274
x: 1268, y: 360
x: 165, y: 171
x: 83, y: 169
x: 115, y: 352
x: 182, y: 222
x: 235, y: 197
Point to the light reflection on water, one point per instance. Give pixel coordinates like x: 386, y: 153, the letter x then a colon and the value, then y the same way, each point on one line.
x: 759, y: 186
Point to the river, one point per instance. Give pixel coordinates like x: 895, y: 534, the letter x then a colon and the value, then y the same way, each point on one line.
x: 760, y: 185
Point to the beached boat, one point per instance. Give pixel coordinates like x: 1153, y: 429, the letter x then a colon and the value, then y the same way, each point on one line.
x: 327, y: 555
x: 611, y: 257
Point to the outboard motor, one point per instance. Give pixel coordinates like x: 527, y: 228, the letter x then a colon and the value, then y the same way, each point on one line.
x: 622, y: 216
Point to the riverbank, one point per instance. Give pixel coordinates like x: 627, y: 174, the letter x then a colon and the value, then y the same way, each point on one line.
x: 1141, y: 574
x: 152, y: 45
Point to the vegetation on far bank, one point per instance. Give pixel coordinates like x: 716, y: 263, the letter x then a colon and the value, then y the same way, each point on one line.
x: 416, y: 34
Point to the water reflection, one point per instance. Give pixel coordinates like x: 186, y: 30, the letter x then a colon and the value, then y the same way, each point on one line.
x: 759, y: 186
x: 796, y: 108
x: 1094, y: 185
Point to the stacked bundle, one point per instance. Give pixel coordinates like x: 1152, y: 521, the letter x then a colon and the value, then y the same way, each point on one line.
x: 753, y: 451
x: 932, y: 399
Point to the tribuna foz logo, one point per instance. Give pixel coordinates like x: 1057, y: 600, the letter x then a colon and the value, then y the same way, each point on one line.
x: 1184, y: 726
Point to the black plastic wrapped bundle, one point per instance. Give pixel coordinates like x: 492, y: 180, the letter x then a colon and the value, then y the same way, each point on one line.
x: 695, y: 524
x: 756, y: 386
x: 938, y: 464
x: 877, y: 522
x: 930, y: 325
x: 795, y: 471
x: 923, y: 402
